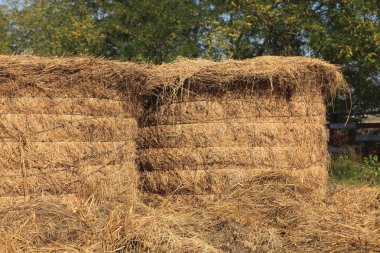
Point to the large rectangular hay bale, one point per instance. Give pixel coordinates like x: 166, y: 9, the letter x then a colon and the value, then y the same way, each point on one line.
x: 67, y: 126
x: 211, y: 126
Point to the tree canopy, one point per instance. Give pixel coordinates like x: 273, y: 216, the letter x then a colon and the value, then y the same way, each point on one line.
x: 344, y: 32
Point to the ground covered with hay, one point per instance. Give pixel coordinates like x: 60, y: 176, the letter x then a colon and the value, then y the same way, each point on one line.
x: 274, y: 213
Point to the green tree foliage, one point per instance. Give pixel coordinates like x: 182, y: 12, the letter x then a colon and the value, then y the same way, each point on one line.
x: 150, y: 30
x: 57, y: 27
x: 153, y: 30
x: 244, y: 29
x: 5, y: 40
x: 349, y: 35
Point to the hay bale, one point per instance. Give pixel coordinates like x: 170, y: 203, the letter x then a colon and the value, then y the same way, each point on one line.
x: 210, y: 126
x: 67, y: 126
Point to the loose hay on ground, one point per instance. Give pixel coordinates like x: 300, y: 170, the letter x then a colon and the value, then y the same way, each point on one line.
x: 39, y: 223
x: 274, y: 212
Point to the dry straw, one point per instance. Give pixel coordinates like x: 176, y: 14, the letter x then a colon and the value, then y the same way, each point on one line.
x: 41, y: 221
x: 273, y: 73
x: 272, y: 213
x: 68, y: 77
x: 67, y: 125
x: 211, y: 125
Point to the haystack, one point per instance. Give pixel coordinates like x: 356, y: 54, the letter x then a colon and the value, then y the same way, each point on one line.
x: 67, y: 126
x: 211, y: 126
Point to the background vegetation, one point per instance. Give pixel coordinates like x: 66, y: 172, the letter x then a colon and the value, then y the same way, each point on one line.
x: 348, y: 170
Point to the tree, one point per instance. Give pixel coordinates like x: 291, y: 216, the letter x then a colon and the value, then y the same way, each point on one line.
x: 58, y: 27
x: 5, y: 40
x: 152, y: 30
x: 244, y: 29
x: 350, y: 36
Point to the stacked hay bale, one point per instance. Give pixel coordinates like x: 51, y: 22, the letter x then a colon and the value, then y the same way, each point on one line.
x: 67, y: 126
x: 212, y: 126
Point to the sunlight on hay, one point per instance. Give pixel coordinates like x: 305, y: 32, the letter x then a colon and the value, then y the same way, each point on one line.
x: 268, y: 72
x: 271, y: 210
x: 274, y: 212
x: 67, y: 126
x: 211, y: 125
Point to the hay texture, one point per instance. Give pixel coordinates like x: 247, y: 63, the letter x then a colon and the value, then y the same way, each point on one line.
x: 210, y: 126
x: 67, y: 126
x: 39, y: 222
x: 271, y: 212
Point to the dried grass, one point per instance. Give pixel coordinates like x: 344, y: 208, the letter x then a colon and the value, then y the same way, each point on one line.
x: 85, y: 106
x: 202, y: 145
x: 206, y: 120
x: 219, y: 181
x: 67, y: 126
x: 93, y: 107
x: 263, y: 108
x: 201, y: 116
x: 69, y: 77
x: 66, y: 153
x: 38, y: 223
x: 224, y: 157
x: 273, y: 73
x: 232, y: 134
x: 272, y: 212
